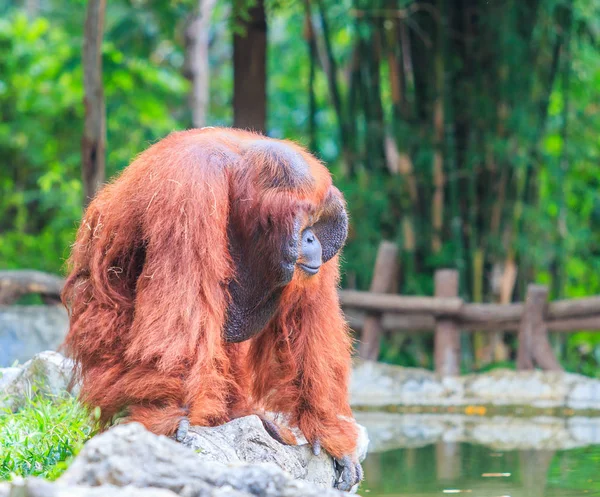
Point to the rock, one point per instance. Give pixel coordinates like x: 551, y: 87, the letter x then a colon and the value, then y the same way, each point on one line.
x: 390, y: 431
x: 583, y: 394
x: 376, y: 384
x: 35, y: 487
x: 28, y: 330
x: 504, y: 387
x: 246, y: 440
x: 7, y: 376
x: 380, y: 385
x: 128, y: 455
x: 48, y: 372
x: 4, y: 489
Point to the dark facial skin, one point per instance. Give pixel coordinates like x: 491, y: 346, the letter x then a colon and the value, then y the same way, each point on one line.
x: 260, y: 278
x: 311, y: 252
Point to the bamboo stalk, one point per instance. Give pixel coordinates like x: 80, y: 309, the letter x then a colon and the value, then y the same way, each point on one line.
x: 563, y: 167
x: 480, y: 340
x: 437, y: 217
x: 330, y: 69
x: 309, y: 35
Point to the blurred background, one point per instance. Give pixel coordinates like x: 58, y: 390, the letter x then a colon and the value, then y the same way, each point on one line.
x: 465, y: 135
x: 466, y: 131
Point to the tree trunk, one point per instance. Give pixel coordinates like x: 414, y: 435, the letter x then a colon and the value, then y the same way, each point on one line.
x: 439, y: 179
x: 330, y: 69
x: 250, y: 69
x: 197, y: 44
x: 559, y: 280
x: 94, y: 133
x: 309, y: 35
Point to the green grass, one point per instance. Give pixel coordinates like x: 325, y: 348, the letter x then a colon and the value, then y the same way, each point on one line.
x: 42, y: 437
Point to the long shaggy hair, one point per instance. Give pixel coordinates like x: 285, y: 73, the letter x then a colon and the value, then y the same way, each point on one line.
x: 148, y: 297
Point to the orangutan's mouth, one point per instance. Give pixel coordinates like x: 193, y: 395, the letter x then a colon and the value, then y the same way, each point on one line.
x: 309, y: 269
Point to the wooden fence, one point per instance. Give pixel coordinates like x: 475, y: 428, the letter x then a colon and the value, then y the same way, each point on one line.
x: 446, y: 314
x: 376, y: 312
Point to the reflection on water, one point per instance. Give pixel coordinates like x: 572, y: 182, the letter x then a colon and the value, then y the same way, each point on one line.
x: 448, y: 468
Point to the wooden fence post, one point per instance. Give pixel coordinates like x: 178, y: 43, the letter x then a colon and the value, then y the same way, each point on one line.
x: 532, y: 316
x: 534, y: 346
x: 386, y: 269
x: 447, y: 334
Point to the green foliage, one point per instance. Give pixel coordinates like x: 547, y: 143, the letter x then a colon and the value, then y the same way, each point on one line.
x: 41, y: 101
x: 582, y: 353
x: 42, y: 437
x: 497, y: 365
x: 40, y: 91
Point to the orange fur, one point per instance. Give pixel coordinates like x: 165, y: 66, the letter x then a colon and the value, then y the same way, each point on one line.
x: 148, y: 294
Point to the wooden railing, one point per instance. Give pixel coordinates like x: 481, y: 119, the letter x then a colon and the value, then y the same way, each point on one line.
x: 446, y: 314
x: 376, y: 312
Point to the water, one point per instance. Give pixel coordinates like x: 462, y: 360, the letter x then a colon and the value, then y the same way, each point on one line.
x: 468, y: 470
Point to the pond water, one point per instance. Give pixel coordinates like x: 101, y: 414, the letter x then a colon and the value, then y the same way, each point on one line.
x: 469, y: 470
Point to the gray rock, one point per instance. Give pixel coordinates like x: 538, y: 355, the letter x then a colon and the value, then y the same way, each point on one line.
x: 35, y: 487
x: 583, y: 394
x: 48, y: 373
x: 378, y: 385
x: 7, y: 376
x: 128, y: 455
x: 246, y: 440
x: 505, y: 387
x: 28, y: 330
